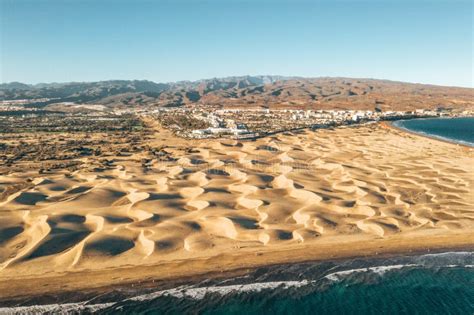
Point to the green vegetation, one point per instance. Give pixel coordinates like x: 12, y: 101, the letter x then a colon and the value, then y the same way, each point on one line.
x: 184, y: 122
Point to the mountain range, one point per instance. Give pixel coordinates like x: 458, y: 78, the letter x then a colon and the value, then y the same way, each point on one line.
x: 263, y: 91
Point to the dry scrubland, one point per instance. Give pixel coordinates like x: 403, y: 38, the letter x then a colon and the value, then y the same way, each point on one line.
x: 247, y: 91
x: 190, y: 207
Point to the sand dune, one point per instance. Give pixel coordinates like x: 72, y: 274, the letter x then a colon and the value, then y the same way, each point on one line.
x: 281, y: 192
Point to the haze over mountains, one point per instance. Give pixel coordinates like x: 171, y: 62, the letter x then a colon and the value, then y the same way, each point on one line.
x: 248, y: 91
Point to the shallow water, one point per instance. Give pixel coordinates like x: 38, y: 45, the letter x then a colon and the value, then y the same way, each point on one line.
x: 440, y: 283
x: 460, y: 130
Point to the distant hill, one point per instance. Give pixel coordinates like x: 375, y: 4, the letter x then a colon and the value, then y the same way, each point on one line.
x: 264, y: 91
x: 15, y: 86
x: 81, y: 92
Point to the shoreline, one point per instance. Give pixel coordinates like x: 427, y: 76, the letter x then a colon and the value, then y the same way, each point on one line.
x: 302, y: 280
x: 390, y: 124
x: 76, y: 286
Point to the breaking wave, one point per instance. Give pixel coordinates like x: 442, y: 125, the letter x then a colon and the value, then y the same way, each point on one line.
x: 308, y: 282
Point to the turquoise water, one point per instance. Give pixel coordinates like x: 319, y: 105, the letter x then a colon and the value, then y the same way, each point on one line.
x: 459, y: 130
x: 419, y: 291
x: 441, y: 283
x: 428, y: 284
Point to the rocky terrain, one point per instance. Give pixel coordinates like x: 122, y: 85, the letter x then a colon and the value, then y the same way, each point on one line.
x: 248, y: 91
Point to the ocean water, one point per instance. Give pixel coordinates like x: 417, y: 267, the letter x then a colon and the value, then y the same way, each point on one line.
x: 460, y: 130
x: 441, y: 283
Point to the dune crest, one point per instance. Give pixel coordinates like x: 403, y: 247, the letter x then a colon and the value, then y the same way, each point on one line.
x: 209, y: 198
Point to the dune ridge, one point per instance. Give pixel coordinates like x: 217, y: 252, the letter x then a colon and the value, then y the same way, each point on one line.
x: 283, y: 191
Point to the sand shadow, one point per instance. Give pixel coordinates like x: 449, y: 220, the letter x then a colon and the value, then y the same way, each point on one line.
x: 109, y: 246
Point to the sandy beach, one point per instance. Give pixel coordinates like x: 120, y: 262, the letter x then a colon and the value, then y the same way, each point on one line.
x: 220, y: 205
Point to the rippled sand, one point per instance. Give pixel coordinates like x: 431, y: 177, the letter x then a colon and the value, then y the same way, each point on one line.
x: 225, y: 204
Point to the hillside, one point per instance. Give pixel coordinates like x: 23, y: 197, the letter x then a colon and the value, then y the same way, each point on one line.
x: 264, y: 91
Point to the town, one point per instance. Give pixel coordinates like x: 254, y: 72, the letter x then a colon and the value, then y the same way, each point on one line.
x: 198, y: 121
x: 207, y: 122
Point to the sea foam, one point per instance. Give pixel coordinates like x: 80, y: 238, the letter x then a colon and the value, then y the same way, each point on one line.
x: 437, y: 260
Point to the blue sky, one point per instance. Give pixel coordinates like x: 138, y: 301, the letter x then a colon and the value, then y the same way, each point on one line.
x: 82, y: 40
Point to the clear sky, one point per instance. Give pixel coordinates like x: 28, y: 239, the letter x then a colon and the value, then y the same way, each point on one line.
x: 85, y: 40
